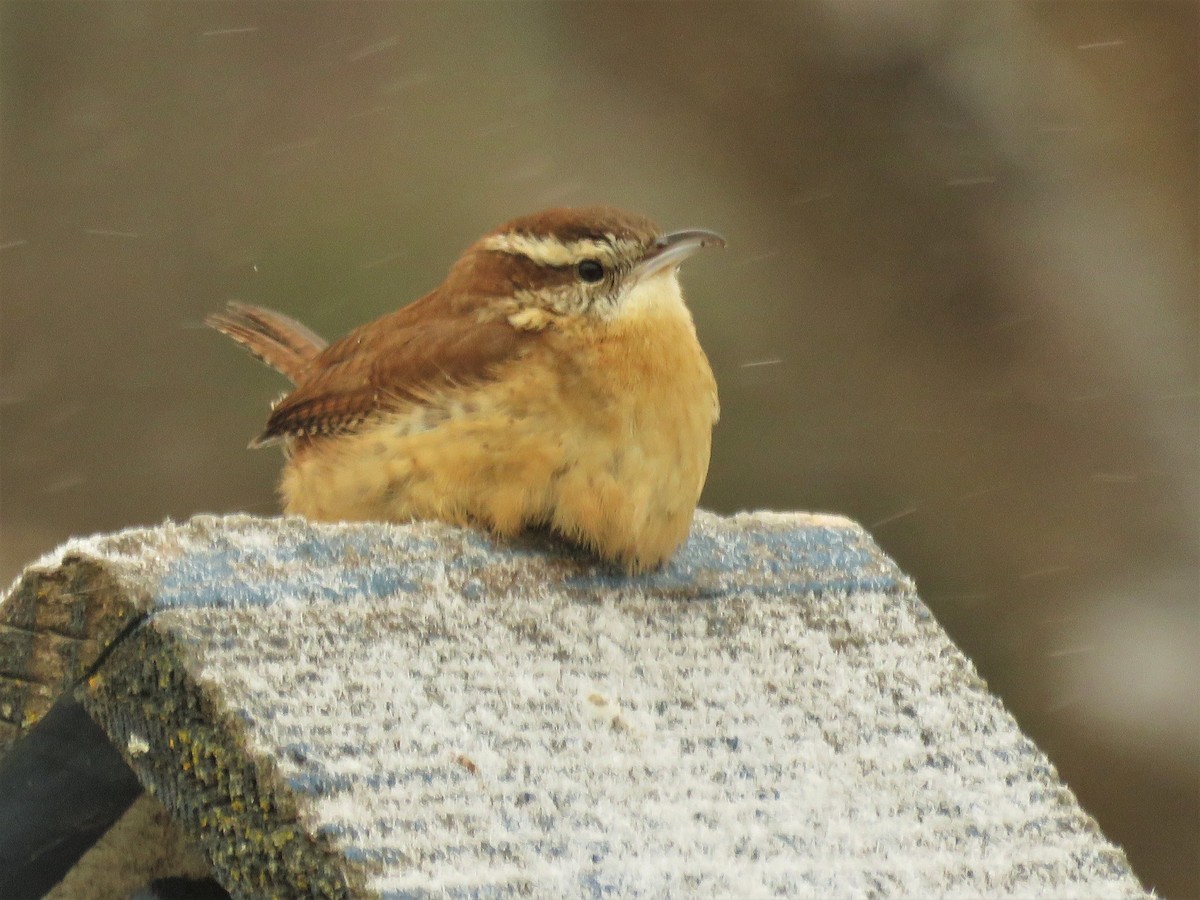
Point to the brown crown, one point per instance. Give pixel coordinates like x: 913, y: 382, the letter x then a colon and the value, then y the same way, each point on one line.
x: 582, y: 222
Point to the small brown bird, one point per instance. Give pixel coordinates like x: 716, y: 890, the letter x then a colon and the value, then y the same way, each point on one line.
x: 554, y: 379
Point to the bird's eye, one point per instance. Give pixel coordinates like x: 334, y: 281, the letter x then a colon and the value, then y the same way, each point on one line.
x: 590, y: 270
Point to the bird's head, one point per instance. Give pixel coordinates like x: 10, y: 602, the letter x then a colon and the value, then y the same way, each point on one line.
x: 594, y: 262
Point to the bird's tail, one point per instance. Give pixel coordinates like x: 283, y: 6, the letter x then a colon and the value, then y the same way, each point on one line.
x: 278, y: 340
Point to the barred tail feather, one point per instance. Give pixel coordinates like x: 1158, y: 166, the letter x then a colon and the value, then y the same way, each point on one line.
x: 280, y: 341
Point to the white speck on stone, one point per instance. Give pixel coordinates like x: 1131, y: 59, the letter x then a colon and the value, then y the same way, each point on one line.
x: 137, y: 745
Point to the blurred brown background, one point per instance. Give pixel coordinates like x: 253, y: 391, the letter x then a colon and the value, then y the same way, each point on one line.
x: 960, y: 301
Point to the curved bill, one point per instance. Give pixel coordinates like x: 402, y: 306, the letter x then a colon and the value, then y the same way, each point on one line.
x: 672, y: 249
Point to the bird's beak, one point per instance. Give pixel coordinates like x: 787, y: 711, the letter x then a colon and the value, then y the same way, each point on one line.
x: 671, y: 249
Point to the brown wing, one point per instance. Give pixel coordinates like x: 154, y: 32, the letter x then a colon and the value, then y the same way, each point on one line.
x: 401, y: 358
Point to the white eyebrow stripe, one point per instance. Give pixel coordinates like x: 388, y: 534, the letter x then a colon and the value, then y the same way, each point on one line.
x: 548, y: 251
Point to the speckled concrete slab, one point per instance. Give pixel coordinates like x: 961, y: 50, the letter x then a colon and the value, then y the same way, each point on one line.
x: 363, y: 710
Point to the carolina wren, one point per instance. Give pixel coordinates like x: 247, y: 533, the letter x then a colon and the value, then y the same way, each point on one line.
x: 554, y: 379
